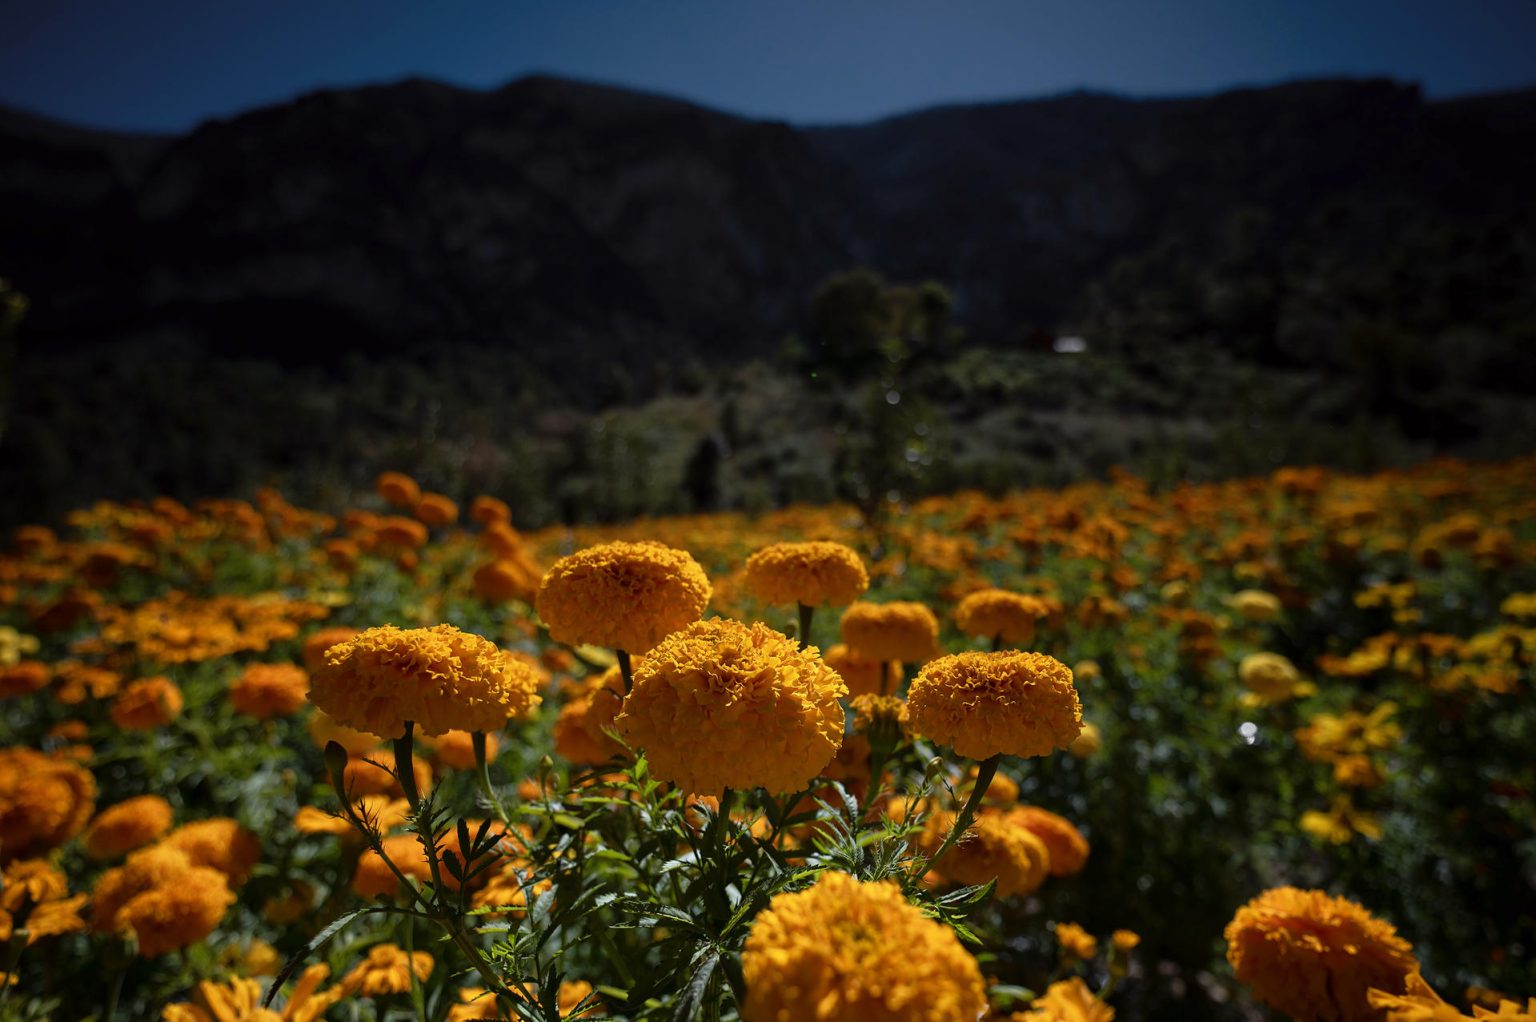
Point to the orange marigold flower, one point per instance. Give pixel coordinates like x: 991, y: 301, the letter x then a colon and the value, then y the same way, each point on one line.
x: 873, y: 677
x: 891, y: 631
x: 1125, y: 940
x: 1314, y: 957
x: 724, y: 705
x: 1417, y: 1003
x: 265, y: 691
x: 387, y: 970
x: 1069, y: 849
x: 1067, y: 1000
x: 815, y: 574
x: 399, y: 531
x: 842, y: 951
x: 374, y: 878
x: 436, y: 510
x: 132, y: 823
x: 992, y: 848
x: 1088, y: 741
x: 147, y: 704
x: 1000, y: 614
x: 219, y: 843
x: 398, y: 489
x: 318, y: 642
x: 581, y: 730
x: 323, y: 730
x: 381, y: 811
x: 487, y: 510
x: 621, y: 595
x: 439, y: 677
x: 1075, y: 941
x: 369, y: 775
x: 880, y: 717
x: 239, y: 999
x: 161, y: 898
x: 23, y: 678
x: 456, y: 749
x: 43, y: 802
x: 985, y: 704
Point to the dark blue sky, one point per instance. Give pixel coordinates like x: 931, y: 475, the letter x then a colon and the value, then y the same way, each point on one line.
x: 166, y: 64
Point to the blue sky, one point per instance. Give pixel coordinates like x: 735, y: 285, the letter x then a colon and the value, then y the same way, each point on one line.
x: 167, y: 64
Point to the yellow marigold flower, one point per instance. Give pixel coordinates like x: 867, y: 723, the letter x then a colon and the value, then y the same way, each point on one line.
x: 387, y: 970
x: 992, y: 848
x: 323, y: 730
x: 900, y: 630
x: 1417, y: 1003
x: 132, y: 823
x: 1088, y: 742
x: 373, y: 877
x: 456, y: 749
x: 239, y: 1000
x: 1272, y: 678
x: 1069, y: 849
x: 398, y: 489
x: 1000, y: 614
x: 383, y: 812
x: 439, y: 677
x: 581, y: 730
x: 23, y: 678
x: 621, y: 595
x: 985, y: 704
x: 1125, y: 940
x: 816, y: 574
x: 842, y: 951
x: 1087, y: 670
x: 502, y: 580
x: 265, y: 691
x: 1328, y: 736
x: 219, y: 843
x: 487, y: 510
x: 314, y: 649
x: 172, y: 916
x: 873, y: 714
x: 724, y: 705
x: 147, y: 704
x: 1520, y: 606
x: 436, y: 510
x: 872, y: 677
x: 1255, y: 605
x: 31, y: 881
x: 1313, y: 957
x: 1341, y: 823
x: 1068, y: 1000
x: 43, y: 802
x: 78, y: 681
x: 1076, y: 942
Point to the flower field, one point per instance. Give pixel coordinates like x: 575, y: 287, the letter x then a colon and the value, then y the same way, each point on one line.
x: 1256, y: 749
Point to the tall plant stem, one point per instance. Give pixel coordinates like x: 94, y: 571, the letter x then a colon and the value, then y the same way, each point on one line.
x: 477, y: 739
x: 626, y: 670
x: 405, y: 767
x: 984, y: 774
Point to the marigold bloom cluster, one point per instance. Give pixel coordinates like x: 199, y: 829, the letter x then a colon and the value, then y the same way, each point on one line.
x: 265, y: 691
x: 900, y: 630
x: 626, y: 596
x: 43, y: 802
x: 387, y: 970
x: 816, y: 574
x: 581, y: 730
x: 1419, y: 1003
x: 725, y: 705
x: 239, y: 1000
x: 843, y: 951
x: 1068, y: 848
x: 132, y: 823
x: 35, y: 894
x: 871, y: 677
x: 439, y: 677
x: 998, y: 613
x: 994, y: 847
x: 1314, y: 957
x: 1067, y: 1000
x: 162, y: 899
x: 147, y: 704
x: 985, y: 704
x: 219, y: 843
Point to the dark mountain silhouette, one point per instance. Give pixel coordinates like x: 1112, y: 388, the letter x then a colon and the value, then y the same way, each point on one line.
x: 558, y: 217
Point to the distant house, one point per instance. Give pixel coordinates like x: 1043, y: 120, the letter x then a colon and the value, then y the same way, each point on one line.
x: 1069, y: 345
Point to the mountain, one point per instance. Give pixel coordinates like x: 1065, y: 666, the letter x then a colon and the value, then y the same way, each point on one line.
x: 566, y: 219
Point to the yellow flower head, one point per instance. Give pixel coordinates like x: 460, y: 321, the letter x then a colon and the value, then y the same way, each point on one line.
x: 147, y: 704
x: 1076, y: 942
x: 1069, y: 849
x: 876, y: 715
x: 993, y: 613
x: 891, y: 631
x: 1417, y: 1003
x: 239, y: 1000
x: 581, y: 730
x: 872, y: 677
x: 993, y: 848
x: 1271, y: 677
x: 1255, y: 605
x: 983, y: 704
x: 43, y: 802
x: 265, y: 691
x: 726, y: 705
x: 621, y: 595
x: 1069, y: 1000
x: 1088, y: 741
x: 1313, y: 957
x: 816, y: 574
x: 439, y: 677
x: 132, y: 823
x: 219, y: 843
x: 162, y: 898
x: 387, y: 970
x: 842, y: 951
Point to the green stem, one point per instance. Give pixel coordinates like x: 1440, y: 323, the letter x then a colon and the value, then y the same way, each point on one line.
x: 997, y: 642
x: 806, y: 613
x: 405, y: 767
x: 626, y: 670
x: 984, y: 774
x: 477, y: 739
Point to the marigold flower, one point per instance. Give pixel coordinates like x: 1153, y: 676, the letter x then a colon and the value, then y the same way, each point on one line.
x: 387, y: 970
x: 265, y: 691
x: 815, y: 574
x: 1088, y: 742
x: 382, y: 811
x: 402, y: 533
x: 1256, y: 605
x: 161, y: 898
x: 874, y: 677
x: 992, y: 848
x: 239, y: 1000
x: 891, y: 631
x: 504, y: 579
x: 724, y: 705
x: 1272, y: 678
x: 132, y: 823
x: 368, y: 775
x: 1341, y: 823
x: 440, y: 677
x: 43, y: 802
x: 456, y: 749
x: 487, y: 510
x: 1076, y: 942
x: 436, y: 510
x: 509, y: 888
x: 373, y: 877
x: 1067, y: 1000
x: 1314, y: 957
x: 1125, y: 940
x: 23, y: 678
x: 147, y: 704
x: 842, y: 951
x: 581, y: 730
x: 78, y: 681
x: 1069, y: 849
x: 984, y: 704
x: 626, y: 596
x: 316, y: 645
x: 1000, y: 614
x: 398, y: 489
x: 323, y: 730
x: 219, y: 843
x: 877, y: 715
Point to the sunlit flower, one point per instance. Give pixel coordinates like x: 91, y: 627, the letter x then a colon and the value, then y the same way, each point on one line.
x: 1000, y: 614
x: 1255, y: 605
x: 265, y: 691
x: 239, y: 1000
x: 1076, y: 942
x: 992, y: 848
x: 132, y: 823
x: 1068, y: 847
x: 161, y: 898
x: 815, y: 574
x: 436, y: 510
x: 725, y: 705
x: 983, y: 704
x: 842, y: 951
x: 147, y: 704
x: 1341, y: 822
x: 581, y: 730
x: 902, y: 631
x: 626, y: 596
x: 863, y: 676
x: 43, y: 802
x: 220, y: 843
x: 1067, y: 1000
x: 387, y: 970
